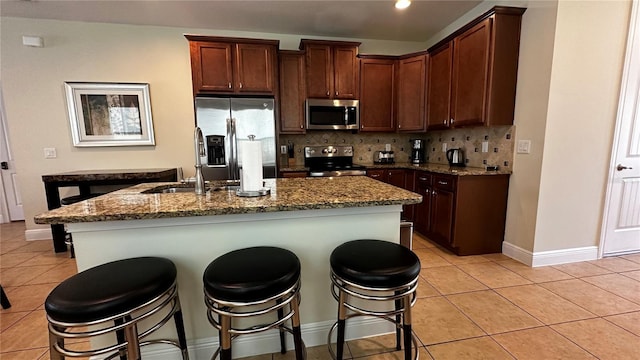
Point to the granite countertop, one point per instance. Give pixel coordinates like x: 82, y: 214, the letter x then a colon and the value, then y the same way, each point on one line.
x: 289, y: 194
x: 436, y: 168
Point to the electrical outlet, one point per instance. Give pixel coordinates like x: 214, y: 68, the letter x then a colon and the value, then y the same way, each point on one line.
x: 485, y: 146
x: 50, y: 153
x: 444, y: 147
x: 283, y: 149
x: 524, y: 147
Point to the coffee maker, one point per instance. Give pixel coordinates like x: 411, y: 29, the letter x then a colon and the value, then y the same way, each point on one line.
x: 417, y: 151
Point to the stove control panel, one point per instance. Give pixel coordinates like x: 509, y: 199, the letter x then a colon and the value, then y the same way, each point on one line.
x: 328, y: 151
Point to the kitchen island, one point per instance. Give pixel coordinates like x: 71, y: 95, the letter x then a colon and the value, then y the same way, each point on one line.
x: 309, y: 216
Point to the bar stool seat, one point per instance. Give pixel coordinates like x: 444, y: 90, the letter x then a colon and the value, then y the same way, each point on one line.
x: 371, y: 271
x: 117, y: 295
x: 252, y: 282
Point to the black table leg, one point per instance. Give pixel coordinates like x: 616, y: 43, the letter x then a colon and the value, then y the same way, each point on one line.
x: 4, y: 301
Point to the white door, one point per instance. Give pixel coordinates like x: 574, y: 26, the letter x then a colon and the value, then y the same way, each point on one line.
x: 622, y: 208
x: 9, y: 183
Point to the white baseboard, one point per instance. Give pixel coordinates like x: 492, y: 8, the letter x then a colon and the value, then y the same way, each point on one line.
x: 38, y: 234
x: 314, y: 334
x: 553, y: 257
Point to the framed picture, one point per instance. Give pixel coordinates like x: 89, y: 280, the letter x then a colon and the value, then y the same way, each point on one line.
x: 109, y: 114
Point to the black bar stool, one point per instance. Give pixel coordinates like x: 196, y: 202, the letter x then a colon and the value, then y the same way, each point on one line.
x: 370, y: 272
x: 68, y: 201
x: 114, y: 298
x: 249, y: 283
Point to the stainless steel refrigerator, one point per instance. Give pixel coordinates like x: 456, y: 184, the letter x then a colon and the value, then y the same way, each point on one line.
x: 225, y: 122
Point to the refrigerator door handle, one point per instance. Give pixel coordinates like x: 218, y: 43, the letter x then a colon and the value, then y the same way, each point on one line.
x: 230, y: 155
x: 234, y: 168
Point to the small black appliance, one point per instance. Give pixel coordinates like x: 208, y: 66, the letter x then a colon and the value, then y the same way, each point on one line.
x: 417, y: 151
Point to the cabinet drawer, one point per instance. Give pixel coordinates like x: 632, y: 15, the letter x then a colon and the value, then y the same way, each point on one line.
x: 444, y: 182
x: 423, y: 179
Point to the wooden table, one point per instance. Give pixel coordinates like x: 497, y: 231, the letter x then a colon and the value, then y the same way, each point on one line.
x: 84, y: 179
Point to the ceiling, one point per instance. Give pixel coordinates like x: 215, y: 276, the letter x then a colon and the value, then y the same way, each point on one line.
x: 370, y: 19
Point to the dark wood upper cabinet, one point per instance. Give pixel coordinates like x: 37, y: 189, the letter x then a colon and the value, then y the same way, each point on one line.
x: 377, y: 93
x: 332, y: 70
x: 439, y: 87
x: 233, y: 65
x: 470, y: 75
x: 483, y: 60
x: 292, y: 92
x: 411, y: 93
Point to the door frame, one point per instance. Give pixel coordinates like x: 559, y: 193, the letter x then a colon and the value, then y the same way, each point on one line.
x: 631, y: 66
x: 4, y: 152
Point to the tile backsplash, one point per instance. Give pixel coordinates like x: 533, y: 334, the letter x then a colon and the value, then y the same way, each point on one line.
x: 500, y: 144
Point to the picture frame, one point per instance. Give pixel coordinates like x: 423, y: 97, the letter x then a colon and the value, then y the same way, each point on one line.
x: 109, y: 114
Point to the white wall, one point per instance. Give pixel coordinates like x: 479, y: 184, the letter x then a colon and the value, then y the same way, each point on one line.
x: 32, y: 81
x: 588, y: 57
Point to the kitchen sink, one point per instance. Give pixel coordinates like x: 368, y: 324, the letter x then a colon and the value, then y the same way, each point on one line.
x: 188, y: 189
x: 170, y: 190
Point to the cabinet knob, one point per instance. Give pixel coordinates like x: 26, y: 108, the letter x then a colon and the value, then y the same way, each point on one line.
x: 328, y: 93
x: 451, y: 122
x: 443, y: 182
x: 229, y: 85
x: 444, y: 121
x: 301, y: 127
x: 336, y: 93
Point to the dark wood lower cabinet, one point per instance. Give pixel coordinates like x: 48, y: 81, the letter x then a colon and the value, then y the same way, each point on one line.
x: 465, y: 214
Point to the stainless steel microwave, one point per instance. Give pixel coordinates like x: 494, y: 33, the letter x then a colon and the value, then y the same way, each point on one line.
x: 326, y: 114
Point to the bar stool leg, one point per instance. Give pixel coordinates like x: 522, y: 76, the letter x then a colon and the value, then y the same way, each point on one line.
x: 342, y: 316
x: 182, y: 338
x: 297, y: 334
x: 407, y: 327
x: 225, y: 338
x: 120, y: 337
x: 53, y: 354
x: 133, y: 344
x: 398, y: 304
x: 283, y: 345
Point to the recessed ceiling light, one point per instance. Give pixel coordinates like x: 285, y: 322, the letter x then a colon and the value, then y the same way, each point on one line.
x: 402, y: 4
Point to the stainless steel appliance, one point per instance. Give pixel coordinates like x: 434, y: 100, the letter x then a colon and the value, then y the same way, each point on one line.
x: 384, y: 157
x: 417, y: 151
x: 455, y: 157
x: 227, y: 121
x: 325, y: 114
x: 331, y: 161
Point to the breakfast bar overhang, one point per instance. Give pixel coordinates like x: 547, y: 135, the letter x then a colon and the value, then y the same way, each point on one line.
x: 309, y: 216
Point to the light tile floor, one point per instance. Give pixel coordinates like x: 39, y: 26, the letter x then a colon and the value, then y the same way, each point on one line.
x: 473, y: 307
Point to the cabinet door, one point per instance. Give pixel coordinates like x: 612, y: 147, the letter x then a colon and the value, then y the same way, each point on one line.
x: 377, y: 93
x: 345, y: 72
x: 211, y: 67
x: 439, y: 87
x: 470, y: 75
x: 411, y: 93
x: 422, y: 211
x: 442, y: 215
x: 292, y: 93
x: 319, y: 71
x: 254, y: 68
x: 396, y: 177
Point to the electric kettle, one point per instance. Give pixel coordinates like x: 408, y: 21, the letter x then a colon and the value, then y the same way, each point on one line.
x: 455, y: 157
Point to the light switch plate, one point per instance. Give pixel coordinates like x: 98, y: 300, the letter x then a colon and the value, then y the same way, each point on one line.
x: 283, y: 149
x: 50, y: 153
x: 485, y: 146
x: 524, y: 147
x: 444, y: 147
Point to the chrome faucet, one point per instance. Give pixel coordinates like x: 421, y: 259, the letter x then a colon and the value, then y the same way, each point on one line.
x: 198, y: 140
